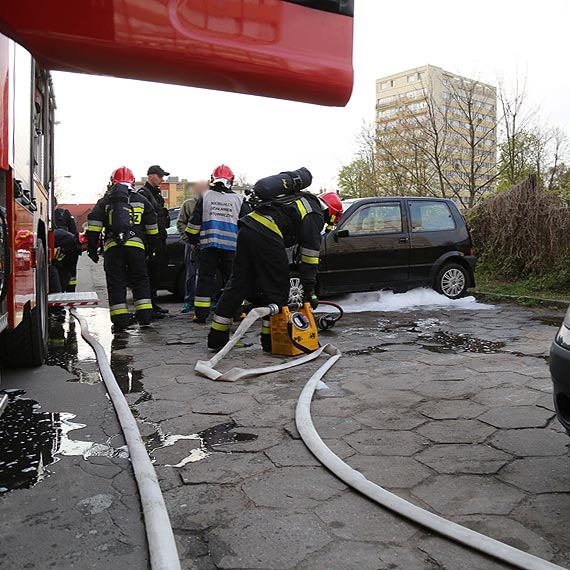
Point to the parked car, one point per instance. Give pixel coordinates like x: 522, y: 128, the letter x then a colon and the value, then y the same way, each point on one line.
x: 174, y: 275
x: 560, y: 372
x: 398, y: 244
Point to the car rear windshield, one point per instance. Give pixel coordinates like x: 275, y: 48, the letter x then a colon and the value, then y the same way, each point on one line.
x: 428, y: 216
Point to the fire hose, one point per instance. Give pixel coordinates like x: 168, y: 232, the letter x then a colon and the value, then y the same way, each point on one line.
x: 448, y: 529
x: 160, y: 538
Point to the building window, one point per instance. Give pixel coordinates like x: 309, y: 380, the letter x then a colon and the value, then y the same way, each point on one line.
x: 179, y: 187
x: 165, y: 193
x: 393, y: 83
x: 411, y: 78
x: 421, y: 75
x: 384, y: 85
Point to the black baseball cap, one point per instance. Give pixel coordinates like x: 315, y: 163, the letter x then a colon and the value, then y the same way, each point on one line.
x: 155, y: 169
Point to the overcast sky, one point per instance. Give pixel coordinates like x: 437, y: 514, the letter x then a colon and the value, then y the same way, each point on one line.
x: 107, y: 122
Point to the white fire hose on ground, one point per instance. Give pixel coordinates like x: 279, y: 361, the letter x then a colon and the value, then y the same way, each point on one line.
x: 460, y: 534
x: 160, y: 538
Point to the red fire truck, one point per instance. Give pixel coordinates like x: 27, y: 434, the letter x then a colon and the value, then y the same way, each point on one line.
x: 292, y: 49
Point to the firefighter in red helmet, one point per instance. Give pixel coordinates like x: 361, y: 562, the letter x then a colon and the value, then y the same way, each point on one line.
x: 283, y: 217
x: 128, y: 221
x: 334, y: 207
x: 214, y: 226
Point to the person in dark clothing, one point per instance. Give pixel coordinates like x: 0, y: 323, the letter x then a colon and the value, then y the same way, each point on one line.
x: 214, y: 225
x: 124, y: 249
x: 282, y: 217
x: 64, y: 220
x: 66, y: 253
x: 156, y: 262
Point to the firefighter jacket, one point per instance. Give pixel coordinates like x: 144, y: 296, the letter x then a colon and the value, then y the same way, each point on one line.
x: 214, y: 222
x: 143, y: 228
x: 66, y: 246
x: 154, y: 196
x: 294, y: 221
x: 65, y: 221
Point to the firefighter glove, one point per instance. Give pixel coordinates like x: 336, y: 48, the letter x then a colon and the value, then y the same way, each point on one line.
x: 311, y: 298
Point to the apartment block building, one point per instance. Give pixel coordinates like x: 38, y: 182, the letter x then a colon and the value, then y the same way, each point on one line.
x: 465, y: 115
x: 174, y: 190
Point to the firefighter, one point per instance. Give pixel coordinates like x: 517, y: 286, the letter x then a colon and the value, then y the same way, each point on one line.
x: 282, y: 217
x: 214, y: 226
x: 129, y: 222
x: 334, y: 206
x: 63, y: 219
x: 156, y: 262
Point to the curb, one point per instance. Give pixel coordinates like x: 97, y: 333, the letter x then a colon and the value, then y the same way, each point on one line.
x: 518, y: 298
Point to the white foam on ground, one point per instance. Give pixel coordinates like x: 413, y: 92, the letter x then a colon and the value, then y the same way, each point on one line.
x: 421, y: 298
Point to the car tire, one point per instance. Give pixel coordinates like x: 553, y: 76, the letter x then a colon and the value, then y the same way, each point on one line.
x: 452, y: 281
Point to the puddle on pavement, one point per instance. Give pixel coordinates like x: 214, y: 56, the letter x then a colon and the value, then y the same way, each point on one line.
x: 69, y: 351
x: 207, y: 440
x: 31, y: 439
x: 445, y: 342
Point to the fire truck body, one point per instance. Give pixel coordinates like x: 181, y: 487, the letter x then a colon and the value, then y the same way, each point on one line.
x: 26, y: 178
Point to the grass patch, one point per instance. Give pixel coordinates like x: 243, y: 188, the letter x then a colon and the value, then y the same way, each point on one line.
x: 528, y: 287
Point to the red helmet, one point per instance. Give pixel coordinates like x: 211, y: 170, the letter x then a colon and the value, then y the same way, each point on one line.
x: 334, y: 205
x: 223, y: 174
x: 123, y: 174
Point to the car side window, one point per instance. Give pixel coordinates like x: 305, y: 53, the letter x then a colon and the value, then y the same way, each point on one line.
x: 430, y: 216
x: 375, y: 219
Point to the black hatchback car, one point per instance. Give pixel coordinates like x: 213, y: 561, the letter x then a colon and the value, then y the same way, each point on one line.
x: 398, y: 244
x: 560, y: 372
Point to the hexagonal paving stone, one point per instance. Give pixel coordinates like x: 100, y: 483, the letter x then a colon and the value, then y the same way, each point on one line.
x: 517, y: 417
x: 507, y: 396
x: 221, y: 403
x: 333, y: 427
x: 446, y: 555
x: 465, y: 458
x: 456, y: 431
x: 385, y: 442
x: 390, y: 471
x: 198, y: 507
x: 220, y: 468
x: 446, y: 389
x: 391, y: 419
x: 539, y: 474
x: 292, y: 487
x: 547, y: 514
x: 455, y: 410
x: 453, y: 495
x: 267, y: 540
x: 391, y: 398
x: 365, y: 556
x: 354, y: 517
x: 531, y: 442
x: 292, y: 453
x: 510, y: 532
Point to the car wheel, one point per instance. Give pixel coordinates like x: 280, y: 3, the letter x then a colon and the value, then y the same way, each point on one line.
x: 452, y: 281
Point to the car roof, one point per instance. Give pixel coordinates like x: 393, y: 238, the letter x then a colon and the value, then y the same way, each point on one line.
x: 389, y: 198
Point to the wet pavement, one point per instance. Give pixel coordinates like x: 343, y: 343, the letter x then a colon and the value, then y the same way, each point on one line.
x: 449, y: 408
x: 67, y: 493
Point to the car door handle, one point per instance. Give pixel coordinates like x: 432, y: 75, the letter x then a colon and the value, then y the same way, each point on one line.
x: 403, y: 240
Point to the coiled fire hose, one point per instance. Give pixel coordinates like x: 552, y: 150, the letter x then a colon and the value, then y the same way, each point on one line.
x: 160, y: 538
x: 460, y: 534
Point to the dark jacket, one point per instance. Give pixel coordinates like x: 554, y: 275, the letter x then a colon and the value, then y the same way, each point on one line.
x: 65, y: 221
x: 143, y: 228
x: 66, y: 246
x: 154, y: 196
x: 295, y: 220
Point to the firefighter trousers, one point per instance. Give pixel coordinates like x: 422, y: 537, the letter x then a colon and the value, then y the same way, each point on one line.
x: 260, y: 276
x: 126, y: 265
x: 212, y: 260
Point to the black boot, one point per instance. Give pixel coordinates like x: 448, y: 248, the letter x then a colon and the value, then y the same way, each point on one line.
x: 217, y: 339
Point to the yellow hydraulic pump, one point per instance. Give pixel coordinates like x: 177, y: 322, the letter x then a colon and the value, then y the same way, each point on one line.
x: 294, y: 331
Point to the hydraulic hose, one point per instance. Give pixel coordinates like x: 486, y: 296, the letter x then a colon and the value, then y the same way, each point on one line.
x: 431, y: 521
x: 161, y: 543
